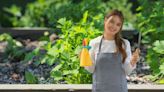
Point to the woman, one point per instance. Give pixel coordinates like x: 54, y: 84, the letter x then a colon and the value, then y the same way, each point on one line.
x: 111, y: 56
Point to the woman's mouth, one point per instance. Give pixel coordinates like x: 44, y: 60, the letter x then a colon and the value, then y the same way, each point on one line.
x: 112, y: 30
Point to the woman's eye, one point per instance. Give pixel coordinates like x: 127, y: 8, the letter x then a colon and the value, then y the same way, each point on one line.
x: 118, y: 25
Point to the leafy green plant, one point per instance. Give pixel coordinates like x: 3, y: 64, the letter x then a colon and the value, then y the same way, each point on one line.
x: 45, y: 13
x: 37, y: 58
x: 30, y: 56
x: 13, y: 50
x: 16, y: 12
x: 4, y: 37
x: 30, y: 78
x: 69, y: 46
x: 151, y: 24
x: 65, y: 51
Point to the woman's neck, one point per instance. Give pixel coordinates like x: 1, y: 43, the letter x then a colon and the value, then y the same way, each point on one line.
x: 108, y: 37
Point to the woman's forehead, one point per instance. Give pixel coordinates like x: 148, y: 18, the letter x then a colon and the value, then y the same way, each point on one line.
x: 115, y: 18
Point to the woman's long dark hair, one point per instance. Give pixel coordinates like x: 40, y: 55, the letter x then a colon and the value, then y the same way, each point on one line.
x: 118, y: 39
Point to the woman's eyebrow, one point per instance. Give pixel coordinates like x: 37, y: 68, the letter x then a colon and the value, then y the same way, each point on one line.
x: 119, y: 23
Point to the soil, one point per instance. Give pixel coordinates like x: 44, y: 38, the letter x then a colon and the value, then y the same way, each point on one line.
x: 13, y: 72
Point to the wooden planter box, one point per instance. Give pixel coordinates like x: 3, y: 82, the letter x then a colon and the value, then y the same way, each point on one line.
x: 26, y: 33
x: 35, y: 33
x: 71, y: 87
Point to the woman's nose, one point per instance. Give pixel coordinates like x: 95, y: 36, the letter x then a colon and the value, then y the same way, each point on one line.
x: 114, y: 26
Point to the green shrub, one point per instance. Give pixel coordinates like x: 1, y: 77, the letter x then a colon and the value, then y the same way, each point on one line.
x: 45, y: 13
x: 14, y: 50
x: 151, y: 24
x: 69, y: 47
x: 64, y: 53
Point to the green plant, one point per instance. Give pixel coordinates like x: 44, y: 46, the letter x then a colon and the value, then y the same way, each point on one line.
x: 13, y: 50
x: 4, y: 37
x: 151, y: 24
x: 37, y: 58
x: 16, y: 12
x: 68, y: 48
x: 72, y: 35
x: 64, y: 53
x: 45, y: 13
x: 30, y: 78
x: 29, y: 56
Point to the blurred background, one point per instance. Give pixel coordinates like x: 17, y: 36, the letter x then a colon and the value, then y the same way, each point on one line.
x: 40, y: 40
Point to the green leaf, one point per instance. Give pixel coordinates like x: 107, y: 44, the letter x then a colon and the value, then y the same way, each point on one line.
x: 162, y: 68
x: 85, y: 16
x: 62, y: 21
x: 57, y: 75
x: 29, y: 56
x: 53, y: 51
x: 66, y: 72
x: 139, y: 8
x: 15, y: 10
x: 159, y: 46
x: 30, y: 78
x: 57, y: 67
x: 4, y: 37
x: 153, y: 61
x: 50, y: 61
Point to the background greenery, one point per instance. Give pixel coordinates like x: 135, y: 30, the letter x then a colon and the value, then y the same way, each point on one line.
x: 45, y: 13
x: 77, y: 19
x: 150, y: 21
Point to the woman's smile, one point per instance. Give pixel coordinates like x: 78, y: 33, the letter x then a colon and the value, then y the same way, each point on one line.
x: 112, y: 30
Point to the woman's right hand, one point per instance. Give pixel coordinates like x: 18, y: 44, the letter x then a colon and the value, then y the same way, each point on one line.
x: 135, y: 57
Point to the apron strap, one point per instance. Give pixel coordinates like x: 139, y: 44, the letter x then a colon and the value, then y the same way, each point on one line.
x: 100, y: 43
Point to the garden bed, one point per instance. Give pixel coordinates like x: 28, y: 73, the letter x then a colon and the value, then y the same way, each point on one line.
x: 73, y: 87
x: 12, y: 71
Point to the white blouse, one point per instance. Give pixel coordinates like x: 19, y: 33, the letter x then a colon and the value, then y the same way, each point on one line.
x: 109, y: 46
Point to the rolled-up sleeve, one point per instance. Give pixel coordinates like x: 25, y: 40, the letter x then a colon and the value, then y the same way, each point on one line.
x: 92, y: 55
x: 127, y: 65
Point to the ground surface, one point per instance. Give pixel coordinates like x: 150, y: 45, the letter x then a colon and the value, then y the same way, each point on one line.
x: 13, y: 72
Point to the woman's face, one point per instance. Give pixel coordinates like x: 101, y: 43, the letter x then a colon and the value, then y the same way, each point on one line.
x: 112, y: 25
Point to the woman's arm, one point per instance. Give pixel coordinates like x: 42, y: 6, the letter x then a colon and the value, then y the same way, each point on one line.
x: 128, y: 67
x: 92, y: 55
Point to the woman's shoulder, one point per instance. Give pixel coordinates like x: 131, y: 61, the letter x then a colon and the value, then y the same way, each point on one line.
x: 126, y: 41
x: 95, y: 40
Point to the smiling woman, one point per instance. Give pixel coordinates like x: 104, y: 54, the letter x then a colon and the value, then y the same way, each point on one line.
x: 111, y: 56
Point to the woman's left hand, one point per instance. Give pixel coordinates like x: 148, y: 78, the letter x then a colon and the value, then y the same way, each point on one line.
x: 135, y: 57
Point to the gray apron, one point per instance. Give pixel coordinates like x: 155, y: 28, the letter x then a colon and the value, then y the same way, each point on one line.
x: 109, y: 75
